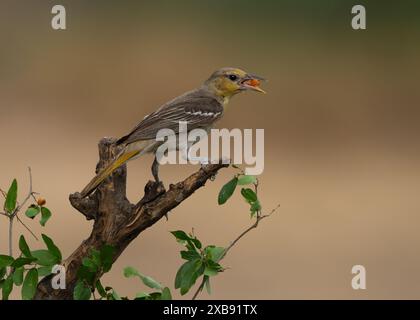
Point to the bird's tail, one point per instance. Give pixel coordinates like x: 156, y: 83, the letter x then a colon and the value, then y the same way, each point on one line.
x: 107, y: 171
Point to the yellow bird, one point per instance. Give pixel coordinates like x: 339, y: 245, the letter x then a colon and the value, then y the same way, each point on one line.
x: 199, y: 108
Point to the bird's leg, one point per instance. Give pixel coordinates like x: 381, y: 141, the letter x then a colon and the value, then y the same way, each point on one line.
x: 155, y: 170
x: 155, y: 173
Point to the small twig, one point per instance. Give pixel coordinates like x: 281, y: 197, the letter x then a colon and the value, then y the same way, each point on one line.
x: 4, y: 214
x: 33, y: 196
x: 3, y: 193
x: 259, y: 218
x: 256, y: 192
x: 27, y: 228
x: 199, y: 289
x: 11, y: 236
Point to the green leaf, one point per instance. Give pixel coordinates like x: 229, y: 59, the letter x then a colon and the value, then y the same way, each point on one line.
x: 212, y: 268
x: 255, y: 207
x: 148, y: 281
x: 90, y: 264
x: 209, y: 271
x: 20, y: 262
x: 249, y: 195
x: 142, y: 296
x: 155, y: 296
x: 81, y: 291
x: 107, y: 255
x: 190, y: 255
x: 10, y: 203
x: 29, y: 284
x: 115, y: 295
x: 130, y: 272
x: 95, y: 255
x: 52, y: 248
x: 196, y: 242
x: 166, y: 294
x: 244, y: 180
x: 191, y: 241
x: 18, y: 276
x: 188, y: 274
x: 85, y: 274
x: 5, y: 261
x: 2, y: 272
x: 45, y: 216
x: 44, y: 271
x: 215, y: 253
x: 181, y: 271
x: 32, y: 211
x: 100, y: 289
x: 207, y: 284
x: 7, y: 288
x: 45, y: 258
x: 24, y: 248
x: 181, y: 235
x: 151, y: 283
x: 227, y: 190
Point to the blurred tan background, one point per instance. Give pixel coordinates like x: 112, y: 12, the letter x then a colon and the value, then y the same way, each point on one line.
x: 341, y: 122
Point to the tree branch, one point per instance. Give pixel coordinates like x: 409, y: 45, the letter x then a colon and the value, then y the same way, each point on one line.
x: 117, y: 222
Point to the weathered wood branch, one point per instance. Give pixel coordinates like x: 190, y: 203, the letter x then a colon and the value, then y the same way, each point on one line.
x: 117, y: 222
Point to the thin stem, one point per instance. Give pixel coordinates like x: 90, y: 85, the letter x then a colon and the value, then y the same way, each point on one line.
x: 256, y: 184
x: 259, y: 218
x: 27, y: 228
x: 11, y: 236
x: 244, y: 233
x: 200, y: 288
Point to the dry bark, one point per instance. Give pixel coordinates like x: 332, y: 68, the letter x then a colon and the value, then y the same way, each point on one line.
x: 117, y: 222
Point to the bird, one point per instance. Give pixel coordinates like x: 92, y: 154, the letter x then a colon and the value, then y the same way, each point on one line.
x: 199, y: 109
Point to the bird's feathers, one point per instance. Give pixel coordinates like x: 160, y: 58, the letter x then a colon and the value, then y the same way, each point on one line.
x: 196, y: 108
x: 104, y: 173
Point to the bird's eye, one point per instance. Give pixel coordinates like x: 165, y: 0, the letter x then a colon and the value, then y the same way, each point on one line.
x: 233, y: 77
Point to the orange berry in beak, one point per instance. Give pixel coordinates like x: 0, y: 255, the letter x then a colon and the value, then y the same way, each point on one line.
x: 253, y: 82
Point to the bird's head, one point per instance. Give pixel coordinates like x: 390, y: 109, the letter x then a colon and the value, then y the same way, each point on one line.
x: 227, y: 82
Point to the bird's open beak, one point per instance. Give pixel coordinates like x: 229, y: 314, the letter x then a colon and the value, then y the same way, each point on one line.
x: 252, y: 82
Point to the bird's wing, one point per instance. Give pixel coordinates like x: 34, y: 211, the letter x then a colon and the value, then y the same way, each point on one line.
x: 196, y: 111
